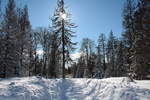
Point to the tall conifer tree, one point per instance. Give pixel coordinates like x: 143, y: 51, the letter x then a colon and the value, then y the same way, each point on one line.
x: 63, y: 27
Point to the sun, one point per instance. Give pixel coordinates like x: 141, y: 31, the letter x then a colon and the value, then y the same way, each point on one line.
x: 63, y: 16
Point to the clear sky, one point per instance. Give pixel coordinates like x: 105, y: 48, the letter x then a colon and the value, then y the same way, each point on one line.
x: 91, y: 16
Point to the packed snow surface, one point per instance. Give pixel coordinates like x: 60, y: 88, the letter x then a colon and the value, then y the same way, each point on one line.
x: 37, y: 88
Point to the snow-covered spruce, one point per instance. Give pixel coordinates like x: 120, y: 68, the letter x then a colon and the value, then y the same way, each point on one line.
x: 38, y: 88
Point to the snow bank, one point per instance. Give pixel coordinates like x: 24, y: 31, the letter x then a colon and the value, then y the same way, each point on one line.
x: 37, y: 88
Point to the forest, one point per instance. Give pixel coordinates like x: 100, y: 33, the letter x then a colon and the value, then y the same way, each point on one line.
x: 109, y: 56
x: 59, y: 62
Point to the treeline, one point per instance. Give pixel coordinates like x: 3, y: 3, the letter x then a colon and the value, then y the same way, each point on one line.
x: 127, y: 56
x: 109, y: 57
x: 19, y: 43
x: 15, y: 41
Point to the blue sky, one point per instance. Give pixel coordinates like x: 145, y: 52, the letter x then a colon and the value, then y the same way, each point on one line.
x: 91, y: 16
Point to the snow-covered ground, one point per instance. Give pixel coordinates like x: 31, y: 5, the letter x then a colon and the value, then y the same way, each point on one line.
x: 37, y: 88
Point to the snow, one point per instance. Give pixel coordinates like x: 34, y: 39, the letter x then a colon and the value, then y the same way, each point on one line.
x: 76, y: 55
x: 38, y: 88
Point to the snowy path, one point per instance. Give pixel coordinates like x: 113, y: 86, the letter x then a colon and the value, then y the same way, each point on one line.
x: 87, y: 89
x: 36, y: 88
